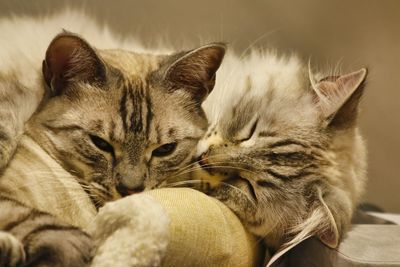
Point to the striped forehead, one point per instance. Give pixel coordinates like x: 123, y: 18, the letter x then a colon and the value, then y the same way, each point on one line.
x: 134, y: 108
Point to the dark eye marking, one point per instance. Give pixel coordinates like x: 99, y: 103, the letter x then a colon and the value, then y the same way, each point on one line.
x: 288, y: 177
x: 164, y: 150
x: 101, y: 144
x: 283, y: 157
x: 267, y: 134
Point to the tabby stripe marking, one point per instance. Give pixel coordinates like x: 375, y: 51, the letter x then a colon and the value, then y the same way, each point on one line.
x: 149, y: 115
x: 264, y: 183
x: 48, y: 227
x: 267, y: 134
x: 287, y: 177
x: 122, y: 108
x: 287, y: 142
x: 136, y: 115
x: 290, y: 158
x: 32, y: 214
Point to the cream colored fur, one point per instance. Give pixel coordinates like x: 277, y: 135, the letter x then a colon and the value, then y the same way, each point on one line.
x: 40, y: 182
x: 284, y: 102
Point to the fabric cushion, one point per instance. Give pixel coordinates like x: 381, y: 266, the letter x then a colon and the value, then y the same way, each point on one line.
x: 204, y: 232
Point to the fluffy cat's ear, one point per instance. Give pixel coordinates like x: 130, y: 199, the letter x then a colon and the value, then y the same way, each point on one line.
x: 338, y: 97
x: 195, y: 70
x: 69, y: 59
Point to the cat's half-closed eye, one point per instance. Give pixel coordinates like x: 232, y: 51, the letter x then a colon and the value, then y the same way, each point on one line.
x: 101, y: 144
x: 164, y: 150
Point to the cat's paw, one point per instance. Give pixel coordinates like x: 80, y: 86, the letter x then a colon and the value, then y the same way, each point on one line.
x: 58, y: 247
x: 11, y: 251
x: 132, y: 231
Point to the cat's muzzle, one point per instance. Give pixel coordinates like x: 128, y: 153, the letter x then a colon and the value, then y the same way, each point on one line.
x: 125, y: 191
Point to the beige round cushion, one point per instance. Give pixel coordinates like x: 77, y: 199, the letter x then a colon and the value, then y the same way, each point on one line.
x: 204, y: 232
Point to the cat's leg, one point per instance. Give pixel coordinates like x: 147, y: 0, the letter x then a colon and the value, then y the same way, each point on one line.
x: 46, y: 241
x: 17, y: 104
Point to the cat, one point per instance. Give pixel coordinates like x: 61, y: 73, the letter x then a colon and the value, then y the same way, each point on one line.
x: 92, y: 126
x: 283, y: 149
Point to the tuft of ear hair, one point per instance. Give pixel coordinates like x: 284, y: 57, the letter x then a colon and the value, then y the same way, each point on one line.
x: 195, y: 71
x: 69, y: 59
x: 337, y: 98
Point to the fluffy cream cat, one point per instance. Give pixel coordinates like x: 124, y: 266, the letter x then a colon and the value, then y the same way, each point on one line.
x: 283, y: 149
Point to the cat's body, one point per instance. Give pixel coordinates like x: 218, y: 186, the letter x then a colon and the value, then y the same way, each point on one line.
x: 87, y: 126
x: 283, y: 149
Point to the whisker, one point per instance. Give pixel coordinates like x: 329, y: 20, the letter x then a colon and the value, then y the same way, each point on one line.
x: 184, y: 183
x: 211, y: 157
x: 215, y: 165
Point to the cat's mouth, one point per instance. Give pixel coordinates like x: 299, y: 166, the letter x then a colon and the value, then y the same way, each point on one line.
x: 216, y: 176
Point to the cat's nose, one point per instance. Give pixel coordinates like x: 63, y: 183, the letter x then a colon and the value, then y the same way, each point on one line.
x: 126, y: 191
x: 203, y: 160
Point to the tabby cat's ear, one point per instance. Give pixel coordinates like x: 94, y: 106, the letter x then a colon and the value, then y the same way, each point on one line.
x: 70, y: 59
x: 195, y: 70
x: 338, y: 97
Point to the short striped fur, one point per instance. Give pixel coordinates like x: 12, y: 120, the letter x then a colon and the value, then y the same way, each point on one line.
x: 105, y: 123
x: 283, y: 149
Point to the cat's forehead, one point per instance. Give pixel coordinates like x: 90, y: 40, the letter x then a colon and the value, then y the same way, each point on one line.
x: 131, y: 64
x: 274, y: 105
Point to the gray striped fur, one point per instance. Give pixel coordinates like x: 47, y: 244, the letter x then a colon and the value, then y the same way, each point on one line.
x: 284, y: 153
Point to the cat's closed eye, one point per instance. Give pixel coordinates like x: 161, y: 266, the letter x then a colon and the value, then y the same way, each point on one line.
x: 101, y: 144
x: 164, y: 150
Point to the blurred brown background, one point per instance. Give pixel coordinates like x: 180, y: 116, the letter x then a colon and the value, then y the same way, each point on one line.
x: 355, y: 33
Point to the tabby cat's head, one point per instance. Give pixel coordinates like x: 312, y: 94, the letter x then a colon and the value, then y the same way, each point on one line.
x: 122, y: 121
x: 286, y: 154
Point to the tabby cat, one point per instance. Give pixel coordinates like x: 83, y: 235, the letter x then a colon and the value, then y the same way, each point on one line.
x: 283, y: 150
x: 109, y: 123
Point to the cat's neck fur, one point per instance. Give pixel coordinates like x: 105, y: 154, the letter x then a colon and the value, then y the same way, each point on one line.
x: 32, y: 173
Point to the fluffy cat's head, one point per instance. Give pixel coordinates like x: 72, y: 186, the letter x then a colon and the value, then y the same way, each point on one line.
x: 284, y: 152
x: 122, y: 121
